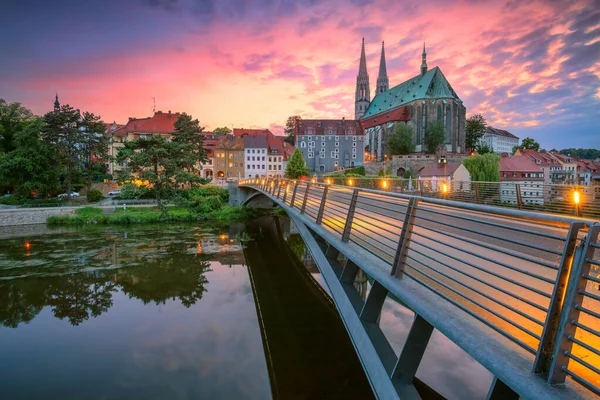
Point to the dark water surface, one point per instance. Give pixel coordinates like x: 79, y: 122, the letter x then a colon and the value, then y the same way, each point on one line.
x: 167, y: 312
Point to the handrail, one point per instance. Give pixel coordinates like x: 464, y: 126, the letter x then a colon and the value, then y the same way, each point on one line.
x: 531, y: 277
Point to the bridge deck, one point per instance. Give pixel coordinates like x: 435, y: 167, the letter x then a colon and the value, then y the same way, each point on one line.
x: 486, y: 281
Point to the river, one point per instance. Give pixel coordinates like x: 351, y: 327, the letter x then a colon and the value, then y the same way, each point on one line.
x: 185, y: 312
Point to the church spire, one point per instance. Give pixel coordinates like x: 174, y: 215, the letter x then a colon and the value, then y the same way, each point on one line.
x: 56, y: 104
x: 383, y: 82
x: 363, y: 95
x: 424, y: 61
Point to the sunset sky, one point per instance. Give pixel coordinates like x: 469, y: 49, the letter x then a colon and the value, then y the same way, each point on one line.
x: 531, y: 67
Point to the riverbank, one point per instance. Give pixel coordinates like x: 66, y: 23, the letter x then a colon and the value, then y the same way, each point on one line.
x: 150, y: 215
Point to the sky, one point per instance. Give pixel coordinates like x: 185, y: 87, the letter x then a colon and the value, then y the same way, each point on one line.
x: 531, y: 67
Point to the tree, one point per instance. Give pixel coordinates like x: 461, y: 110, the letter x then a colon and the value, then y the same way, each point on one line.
x: 401, y: 141
x: 13, y: 116
x: 434, y: 136
x: 222, y: 131
x: 474, y: 130
x: 31, y: 166
x: 483, y: 148
x: 483, y: 167
x: 64, y: 135
x: 167, y: 164
x: 296, y: 166
x: 290, y: 128
x: 191, y: 151
x: 527, y: 144
x: 95, y: 142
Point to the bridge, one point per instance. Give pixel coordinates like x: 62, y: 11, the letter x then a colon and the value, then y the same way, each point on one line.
x: 517, y: 291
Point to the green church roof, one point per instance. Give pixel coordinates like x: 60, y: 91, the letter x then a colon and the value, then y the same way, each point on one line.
x: 431, y: 85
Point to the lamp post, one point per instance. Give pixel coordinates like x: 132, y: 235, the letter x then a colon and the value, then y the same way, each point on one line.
x: 576, y: 200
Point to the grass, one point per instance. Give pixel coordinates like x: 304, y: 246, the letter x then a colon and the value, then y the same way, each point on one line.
x: 149, y: 215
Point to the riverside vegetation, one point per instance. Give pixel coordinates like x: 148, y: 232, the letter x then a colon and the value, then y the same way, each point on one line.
x: 201, y: 203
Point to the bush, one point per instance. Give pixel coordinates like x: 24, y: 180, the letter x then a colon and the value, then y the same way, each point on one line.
x: 207, y: 204
x: 130, y: 191
x: 208, y: 190
x: 94, y: 195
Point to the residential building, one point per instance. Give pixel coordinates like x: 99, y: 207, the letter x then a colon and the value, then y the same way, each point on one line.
x: 238, y: 132
x: 520, y: 176
x: 210, y: 145
x: 445, y: 172
x: 229, y: 158
x: 330, y: 144
x: 416, y: 102
x: 545, y: 161
x: 255, y: 154
x: 499, y: 140
x: 567, y: 175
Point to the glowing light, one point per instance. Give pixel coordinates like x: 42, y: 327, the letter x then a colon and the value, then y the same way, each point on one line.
x: 313, y: 180
x: 384, y: 184
x: 328, y: 181
x: 350, y: 182
x: 444, y: 188
x: 576, y: 198
x: 27, y: 245
x: 223, y: 237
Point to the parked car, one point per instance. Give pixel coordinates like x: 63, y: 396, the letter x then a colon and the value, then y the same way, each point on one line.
x: 65, y: 195
x: 114, y: 192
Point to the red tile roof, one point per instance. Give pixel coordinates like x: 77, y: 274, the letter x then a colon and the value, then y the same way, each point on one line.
x: 544, y: 159
x: 322, y: 126
x: 159, y: 123
x: 396, y: 114
x: 499, y: 132
x: 518, y: 164
x: 241, y: 131
x: 439, y: 170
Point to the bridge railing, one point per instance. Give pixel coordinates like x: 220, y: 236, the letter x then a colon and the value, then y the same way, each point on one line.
x: 532, y: 196
x: 533, y: 279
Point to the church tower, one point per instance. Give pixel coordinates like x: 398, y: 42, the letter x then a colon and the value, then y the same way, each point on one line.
x: 56, y: 104
x: 383, y: 82
x: 363, y: 95
x: 423, y: 61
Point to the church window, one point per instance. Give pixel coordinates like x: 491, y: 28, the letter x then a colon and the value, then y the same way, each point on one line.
x: 439, y: 112
x: 419, y: 127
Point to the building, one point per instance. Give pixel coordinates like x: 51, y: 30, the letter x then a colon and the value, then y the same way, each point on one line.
x: 210, y: 145
x: 328, y: 144
x: 229, y: 158
x: 255, y: 154
x: 567, y: 175
x: 160, y: 124
x: 545, y: 161
x: 520, y: 176
x: 238, y: 132
x: 416, y: 102
x: 499, y: 140
x: 445, y: 172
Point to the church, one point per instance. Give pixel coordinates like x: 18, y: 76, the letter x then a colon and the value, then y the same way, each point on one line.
x: 416, y: 102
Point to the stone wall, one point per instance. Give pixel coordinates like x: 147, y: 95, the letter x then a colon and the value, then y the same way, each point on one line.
x: 412, y: 162
x: 24, y: 216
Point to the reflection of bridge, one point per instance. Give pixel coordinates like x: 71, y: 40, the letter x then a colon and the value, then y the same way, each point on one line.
x: 515, y: 290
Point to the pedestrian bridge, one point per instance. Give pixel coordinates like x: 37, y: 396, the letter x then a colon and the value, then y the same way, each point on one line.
x: 517, y: 291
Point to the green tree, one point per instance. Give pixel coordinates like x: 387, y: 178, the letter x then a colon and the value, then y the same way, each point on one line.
x: 296, y: 166
x: 401, y: 141
x: 64, y: 135
x: 483, y: 167
x: 527, y: 144
x: 31, y: 166
x: 13, y: 116
x: 290, y: 128
x: 190, y: 147
x: 95, y: 142
x: 474, y: 130
x: 483, y: 148
x: 434, y: 136
x: 222, y: 131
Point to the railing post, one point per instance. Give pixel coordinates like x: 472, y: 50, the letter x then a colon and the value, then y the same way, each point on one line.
x: 570, y: 312
x: 322, y: 207
x: 519, y: 199
x: 476, y: 184
x: 305, y: 198
x: 405, y: 234
x: 421, y: 186
x: 294, y: 194
x: 279, y: 183
x: 544, y: 353
x: 287, y: 186
x: 350, y: 216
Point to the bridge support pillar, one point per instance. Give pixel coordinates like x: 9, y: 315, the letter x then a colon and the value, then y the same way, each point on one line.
x: 413, y: 350
x: 372, y: 308
x: 500, y: 391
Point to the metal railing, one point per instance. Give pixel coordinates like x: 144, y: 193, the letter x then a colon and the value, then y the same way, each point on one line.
x: 534, y: 196
x: 531, y: 277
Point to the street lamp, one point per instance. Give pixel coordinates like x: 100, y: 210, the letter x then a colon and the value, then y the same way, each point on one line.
x: 576, y: 199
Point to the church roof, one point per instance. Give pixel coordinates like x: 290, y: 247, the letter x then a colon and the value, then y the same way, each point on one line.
x: 431, y: 85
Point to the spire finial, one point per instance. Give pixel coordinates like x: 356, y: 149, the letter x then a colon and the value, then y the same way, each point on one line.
x: 383, y: 82
x: 424, y: 61
x: 362, y: 69
x: 56, y: 103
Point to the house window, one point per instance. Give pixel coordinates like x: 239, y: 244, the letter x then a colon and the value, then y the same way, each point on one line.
x: 323, y: 137
x: 337, y: 138
x: 337, y: 144
x: 354, y: 138
x: 230, y: 165
x: 354, y: 144
x: 311, y: 154
x: 302, y: 144
x: 335, y: 164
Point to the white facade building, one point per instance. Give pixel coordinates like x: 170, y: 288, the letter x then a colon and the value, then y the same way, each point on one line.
x: 499, y: 140
x: 255, y: 155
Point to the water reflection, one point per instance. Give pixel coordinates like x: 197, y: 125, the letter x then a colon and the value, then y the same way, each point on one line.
x: 76, y: 275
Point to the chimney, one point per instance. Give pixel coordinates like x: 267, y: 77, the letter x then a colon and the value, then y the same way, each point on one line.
x: 169, y: 111
x: 159, y: 112
x: 131, y: 118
